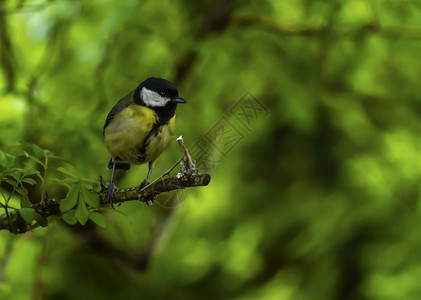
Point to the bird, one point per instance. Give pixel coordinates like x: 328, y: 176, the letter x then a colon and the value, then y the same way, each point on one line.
x: 140, y: 127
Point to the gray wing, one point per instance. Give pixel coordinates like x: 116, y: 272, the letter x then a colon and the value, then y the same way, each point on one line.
x: 122, y: 104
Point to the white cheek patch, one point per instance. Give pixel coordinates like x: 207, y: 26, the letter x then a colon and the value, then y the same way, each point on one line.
x: 153, y: 99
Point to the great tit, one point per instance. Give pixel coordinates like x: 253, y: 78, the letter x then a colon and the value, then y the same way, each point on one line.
x: 140, y: 126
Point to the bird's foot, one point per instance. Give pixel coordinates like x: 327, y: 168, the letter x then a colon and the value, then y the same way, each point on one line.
x: 150, y: 198
x: 143, y: 184
x: 111, y: 191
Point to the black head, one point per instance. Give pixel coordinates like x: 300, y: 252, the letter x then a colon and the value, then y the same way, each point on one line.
x: 160, y: 95
x: 156, y: 92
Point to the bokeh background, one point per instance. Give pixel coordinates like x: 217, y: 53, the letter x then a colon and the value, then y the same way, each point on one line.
x: 318, y: 197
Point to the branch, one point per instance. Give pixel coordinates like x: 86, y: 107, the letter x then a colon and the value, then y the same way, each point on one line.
x: 188, y: 177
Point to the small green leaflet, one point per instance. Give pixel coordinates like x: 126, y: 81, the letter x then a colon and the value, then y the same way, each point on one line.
x: 29, y: 181
x: 28, y: 214
x: 6, y: 160
x: 97, y: 218
x: 71, y: 199
x: 28, y: 171
x: 24, y: 202
x: 82, y: 197
x: 39, y: 152
x: 82, y: 212
x: 92, y: 199
x: 42, y: 221
x: 22, y: 191
x: 63, y: 170
x: 69, y: 217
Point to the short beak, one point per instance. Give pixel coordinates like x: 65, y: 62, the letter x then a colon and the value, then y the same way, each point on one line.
x: 178, y: 100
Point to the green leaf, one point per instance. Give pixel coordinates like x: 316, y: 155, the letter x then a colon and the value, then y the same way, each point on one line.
x: 19, y: 152
x: 42, y: 221
x: 6, y: 160
x: 64, y: 181
x: 63, y: 170
x: 71, y: 199
x: 97, y: 218
x: 3, y: 159
x: 15, y: 174
x: 24, y: 202
x: 29, y: 181
x: 28, y: 214
x: 39, y: 152
x: 92, y: 199
x: 71, y: 180
x: 96, y: 187
x: 59, y: 158
x: 37, y: 160
x: 28, y: 171
x: 22, y: 191
x: 10, y: 161
x: 11, y: 182
x: 82, y: 212
x: 69, y: 217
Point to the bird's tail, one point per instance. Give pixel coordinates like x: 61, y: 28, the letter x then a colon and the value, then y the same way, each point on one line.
x: 118, y: 165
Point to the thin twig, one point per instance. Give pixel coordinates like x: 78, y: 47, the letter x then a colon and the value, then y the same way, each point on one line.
x: 186, y: 155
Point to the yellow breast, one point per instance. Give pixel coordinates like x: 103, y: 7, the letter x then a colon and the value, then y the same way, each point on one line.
x: 128, y: 137
x: 158, y: 142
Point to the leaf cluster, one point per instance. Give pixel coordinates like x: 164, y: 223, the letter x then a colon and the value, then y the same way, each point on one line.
x: 29, y: 165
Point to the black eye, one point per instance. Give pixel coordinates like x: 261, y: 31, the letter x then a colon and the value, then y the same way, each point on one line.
x: 163, y: 94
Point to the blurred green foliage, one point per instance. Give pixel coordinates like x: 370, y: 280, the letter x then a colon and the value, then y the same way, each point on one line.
x: 320, y: 199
